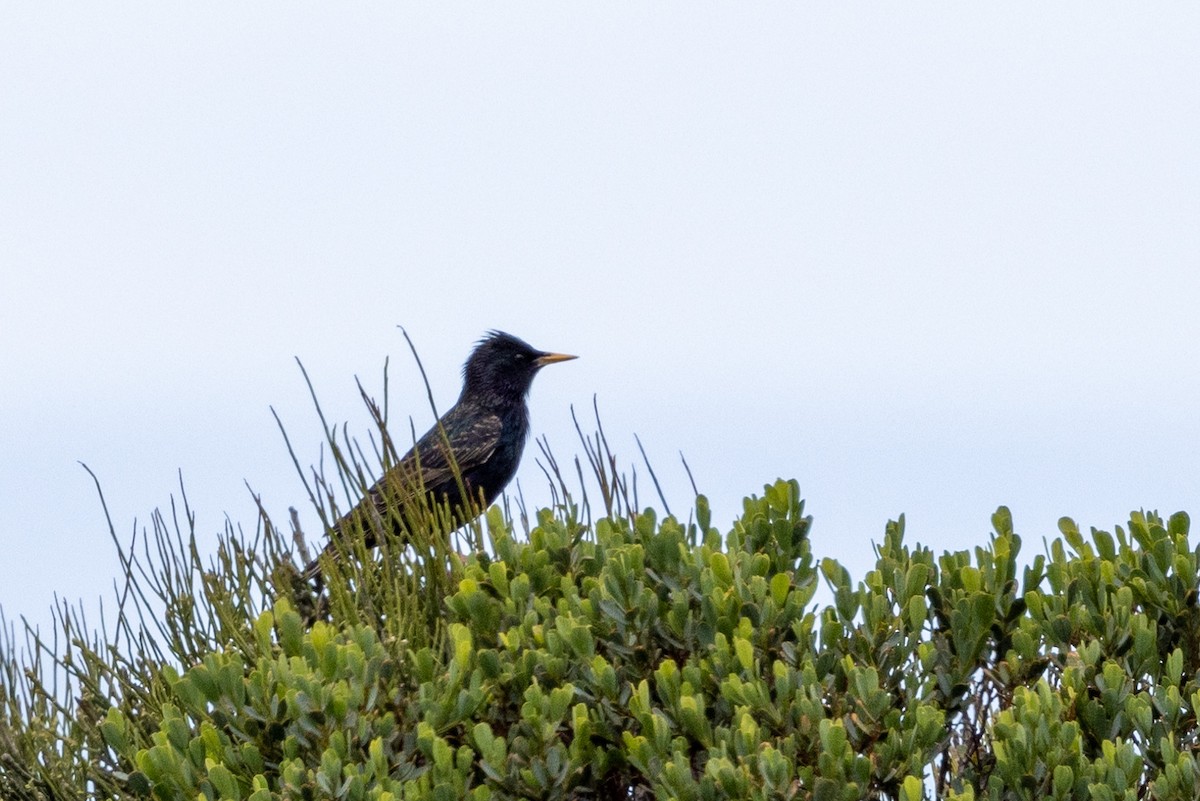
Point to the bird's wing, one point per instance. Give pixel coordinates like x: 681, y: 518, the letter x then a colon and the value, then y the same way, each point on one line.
x: 472, y: 437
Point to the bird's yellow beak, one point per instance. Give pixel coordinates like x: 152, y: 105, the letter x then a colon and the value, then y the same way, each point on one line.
x: 551, y: 358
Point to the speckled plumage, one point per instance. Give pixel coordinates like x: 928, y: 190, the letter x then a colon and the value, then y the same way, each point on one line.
x: 486, y: 430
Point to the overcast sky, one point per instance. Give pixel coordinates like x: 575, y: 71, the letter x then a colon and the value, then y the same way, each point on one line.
x: 923, y: 259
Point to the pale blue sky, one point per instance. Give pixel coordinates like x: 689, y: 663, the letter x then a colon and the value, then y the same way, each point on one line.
x: 924, y: 259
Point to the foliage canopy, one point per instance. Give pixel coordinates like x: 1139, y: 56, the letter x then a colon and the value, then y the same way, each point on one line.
x: 622, y: 657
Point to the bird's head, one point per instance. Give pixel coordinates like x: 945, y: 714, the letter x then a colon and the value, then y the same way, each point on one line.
x: 502, y: 367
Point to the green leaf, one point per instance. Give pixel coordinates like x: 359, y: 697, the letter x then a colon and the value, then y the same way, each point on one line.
x: 719, y: 564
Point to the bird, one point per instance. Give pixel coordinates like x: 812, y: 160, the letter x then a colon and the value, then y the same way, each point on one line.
x: 486, y: 431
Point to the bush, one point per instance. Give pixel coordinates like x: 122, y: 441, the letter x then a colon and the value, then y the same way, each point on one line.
x: 627, y: 657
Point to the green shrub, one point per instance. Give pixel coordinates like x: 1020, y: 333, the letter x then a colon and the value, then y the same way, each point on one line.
x: 626, y: 657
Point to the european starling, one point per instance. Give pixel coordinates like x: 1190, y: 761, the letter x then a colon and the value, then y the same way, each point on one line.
x: 486, y: 431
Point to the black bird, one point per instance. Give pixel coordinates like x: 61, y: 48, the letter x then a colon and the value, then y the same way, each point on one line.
x: 486, y: 431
